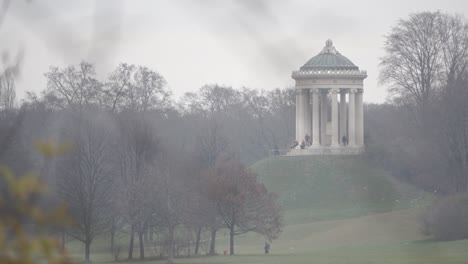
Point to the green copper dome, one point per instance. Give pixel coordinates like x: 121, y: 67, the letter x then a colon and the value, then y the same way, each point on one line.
x: 329, y: 59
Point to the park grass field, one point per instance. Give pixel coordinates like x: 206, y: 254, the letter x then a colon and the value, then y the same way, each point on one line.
x: 324, y: 188
x: 337, y: 210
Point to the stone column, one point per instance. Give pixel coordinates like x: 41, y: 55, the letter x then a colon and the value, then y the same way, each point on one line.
x: 342, y: 115
x: 315, y: 118
x: 352, y: 118
x: 298, y: 101
x: 323, y: 118
x: 359, y: 118
x: 334, y: 139
x: 307, y: 114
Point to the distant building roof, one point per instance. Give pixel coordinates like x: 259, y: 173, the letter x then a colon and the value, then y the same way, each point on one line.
x: 329, y: 59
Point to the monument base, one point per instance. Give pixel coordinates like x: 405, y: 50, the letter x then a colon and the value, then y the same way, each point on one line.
x: 328, y: 150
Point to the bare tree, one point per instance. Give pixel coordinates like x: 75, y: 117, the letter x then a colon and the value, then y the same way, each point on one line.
x: 423, y: 53
x: 212, y: 99
x: 252, y: 122
x: 244, y: 204
x: 85, y: 181
x: 11, y: 69
x: 137, y: 152
x: 210, y: 145
x: 452, y: 118
x: 175, y: 194
x: 412, y: 60
x: 453, y: 31
x: 8, y: 88
x: 150, y: 90
x: 119, y: 85
x: 426, y: 64
x: 74, y: 87
x: 136, y: 88
x: 270, y: 114
x: 206, y: 215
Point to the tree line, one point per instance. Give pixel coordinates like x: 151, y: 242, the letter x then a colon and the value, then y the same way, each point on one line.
x: 421, y: 133
x: 167, y: 174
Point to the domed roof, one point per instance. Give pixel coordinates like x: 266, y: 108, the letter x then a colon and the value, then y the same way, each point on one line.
x: 329, y: 59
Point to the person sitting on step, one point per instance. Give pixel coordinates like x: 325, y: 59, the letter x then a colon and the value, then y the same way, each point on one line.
x: 344, y: 140
x: 307, y: 139
x: 294, y: 144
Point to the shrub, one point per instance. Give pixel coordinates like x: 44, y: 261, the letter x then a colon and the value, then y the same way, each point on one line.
x: 447, y: 218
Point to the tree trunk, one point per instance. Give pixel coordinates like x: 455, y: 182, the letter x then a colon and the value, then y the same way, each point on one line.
x: 62, y: 246
x: 170, y: 257
x: 231, y: 240
x: 141, y: 245
x: 112, y: 238
x: 197, y: 240
x: 212, y: 243
x: 130, y: 246
x: 87, y: 246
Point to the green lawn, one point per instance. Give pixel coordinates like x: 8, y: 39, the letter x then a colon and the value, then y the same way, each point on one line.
x: 395, y: 253
x: 338, y: 210
x: 332, y: 187
x: 417, y: 252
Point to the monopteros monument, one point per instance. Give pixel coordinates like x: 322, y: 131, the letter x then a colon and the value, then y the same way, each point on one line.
x: 326, y: 124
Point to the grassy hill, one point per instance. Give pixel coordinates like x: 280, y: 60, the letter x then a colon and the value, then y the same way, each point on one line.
x: 334, y: 187
x: 338, y: 210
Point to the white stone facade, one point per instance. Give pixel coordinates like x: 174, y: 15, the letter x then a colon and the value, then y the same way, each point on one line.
x: 319, y: 83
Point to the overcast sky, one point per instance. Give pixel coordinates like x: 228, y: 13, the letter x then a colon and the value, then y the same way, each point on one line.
x: 253, y: 43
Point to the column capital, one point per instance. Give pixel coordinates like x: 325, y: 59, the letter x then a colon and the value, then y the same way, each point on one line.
x: 353, y: 91
x: 301, y: 91
x: 334, y: 91
x: 315, y: 91
x: 360, y: 91
x: 305, y: 91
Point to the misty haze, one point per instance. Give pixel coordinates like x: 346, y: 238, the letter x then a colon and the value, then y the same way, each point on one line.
x: 233, y: 131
